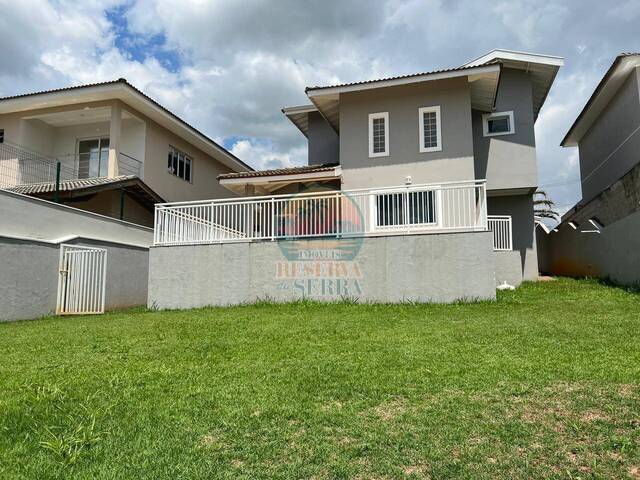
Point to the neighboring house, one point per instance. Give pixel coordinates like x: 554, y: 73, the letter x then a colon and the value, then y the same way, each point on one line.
x: 120, y: 152
x: 600, y: 235
x: 391, y: 162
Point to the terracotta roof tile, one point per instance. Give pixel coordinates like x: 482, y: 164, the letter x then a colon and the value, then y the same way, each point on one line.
x: 326, y: 167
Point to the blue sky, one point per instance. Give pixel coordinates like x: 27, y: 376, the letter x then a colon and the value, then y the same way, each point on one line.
x: 228, y: 67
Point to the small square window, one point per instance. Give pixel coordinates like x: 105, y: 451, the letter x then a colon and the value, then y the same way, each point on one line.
x: 494, y: 124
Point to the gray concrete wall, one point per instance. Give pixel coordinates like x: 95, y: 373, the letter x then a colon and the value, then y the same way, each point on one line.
x: 613, y: 253
x: 437, y: 268
x: 522, y: 262
x: 25, y: 216
x: 29, y: 276
x: 454, y: 162
x: 508, y: 161
x: 609, y: 139
x: 324, y: 143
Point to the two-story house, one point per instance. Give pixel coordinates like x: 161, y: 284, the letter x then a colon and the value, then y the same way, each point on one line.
x: 107, y: 148
x: 600, y: 235
x: 465, y: 124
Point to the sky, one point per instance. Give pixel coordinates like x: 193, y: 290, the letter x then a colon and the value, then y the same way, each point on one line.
x: 228, y: 67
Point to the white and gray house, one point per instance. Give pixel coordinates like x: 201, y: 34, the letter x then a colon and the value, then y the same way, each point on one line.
x: 417, y: 188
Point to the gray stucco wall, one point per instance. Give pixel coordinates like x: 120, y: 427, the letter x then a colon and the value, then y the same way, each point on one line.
x: 615, y: 124
x: 508, y: 161
x: 613, y: 253
x: 25, y: 216
x: 29, y: 276
x: 438, y: 268
x: 522, y: 262
x: 324, y: 144
x: 454, y: 162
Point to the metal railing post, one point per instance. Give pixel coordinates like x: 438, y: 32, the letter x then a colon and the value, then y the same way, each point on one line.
x: 273, y: 219
x: 56, y: 195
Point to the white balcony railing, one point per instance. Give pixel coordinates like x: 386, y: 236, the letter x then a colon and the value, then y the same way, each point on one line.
x: 445, y: 207
x: 500, y: 225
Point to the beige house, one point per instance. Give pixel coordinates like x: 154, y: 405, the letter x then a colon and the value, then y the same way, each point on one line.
x: 119, y: 152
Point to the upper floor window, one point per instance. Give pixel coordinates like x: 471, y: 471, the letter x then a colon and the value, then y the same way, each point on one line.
x: 499, y: 123
x: 180, y: 164
x: 430, y: 132
x: 1, y: 135
x: 379, y: 134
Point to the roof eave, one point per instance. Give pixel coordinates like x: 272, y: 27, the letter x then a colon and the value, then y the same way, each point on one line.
x: 313, y: 92
x: 578, y: 128
x: 122, y: 90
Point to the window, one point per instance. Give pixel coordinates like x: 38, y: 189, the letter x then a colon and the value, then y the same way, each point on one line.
x: 180, y: 164
x: 413, y: 208
x: 93, y: 157
x: 1, y: 135
x: 494, y: 124
x: 430, y: 134
x: 379, y: 134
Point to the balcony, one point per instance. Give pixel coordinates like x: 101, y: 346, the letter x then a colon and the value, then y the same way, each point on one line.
x: 412, y: 209
x: 20, y: 166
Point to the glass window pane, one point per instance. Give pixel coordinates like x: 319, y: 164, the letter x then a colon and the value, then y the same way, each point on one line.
x: 379, y: 135
x: 498, y: 124
x: 181, y: 165
x: 187, y: 170
x: 103, y: 162
x: 88, y: 158
x: 430, y: 129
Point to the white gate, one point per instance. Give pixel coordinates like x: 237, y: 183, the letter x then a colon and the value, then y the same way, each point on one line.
x: 82, y: 280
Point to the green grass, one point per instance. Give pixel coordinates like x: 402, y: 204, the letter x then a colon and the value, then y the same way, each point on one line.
x: 545, y: 382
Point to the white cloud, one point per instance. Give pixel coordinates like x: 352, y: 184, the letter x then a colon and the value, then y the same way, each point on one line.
x: 240, y: 62
x: 263, y: 155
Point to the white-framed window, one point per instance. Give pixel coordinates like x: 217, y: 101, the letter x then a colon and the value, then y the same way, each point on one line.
x: 401, y: 209
x: 499, y: 123
x: 379, y: 134
x: 180, y: 164
x: 429, y: 129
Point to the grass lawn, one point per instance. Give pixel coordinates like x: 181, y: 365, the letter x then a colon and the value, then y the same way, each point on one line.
x: 545, y: 382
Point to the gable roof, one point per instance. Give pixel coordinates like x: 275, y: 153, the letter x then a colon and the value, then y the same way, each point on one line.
x: 483, y: 75
x: 613, y: 79
x: 542, y: 69
x: 299, y: 116
x: 126, y: 92
x: 483, y: 79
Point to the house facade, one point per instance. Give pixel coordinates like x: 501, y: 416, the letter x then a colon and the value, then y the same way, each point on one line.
x: 599, y: 237
x: 119, y: 151
x: 409, y: 166
x: 471, y: 123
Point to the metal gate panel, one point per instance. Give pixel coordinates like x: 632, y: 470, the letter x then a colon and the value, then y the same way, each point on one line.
x: 81, y: 280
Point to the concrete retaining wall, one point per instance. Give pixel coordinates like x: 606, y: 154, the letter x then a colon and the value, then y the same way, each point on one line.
x: 425, y: 268
x: 24, y: 216
x: 613, y: 253
x: 29, y: 276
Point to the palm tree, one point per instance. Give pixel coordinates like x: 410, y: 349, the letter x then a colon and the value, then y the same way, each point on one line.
x: 543, y: 206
